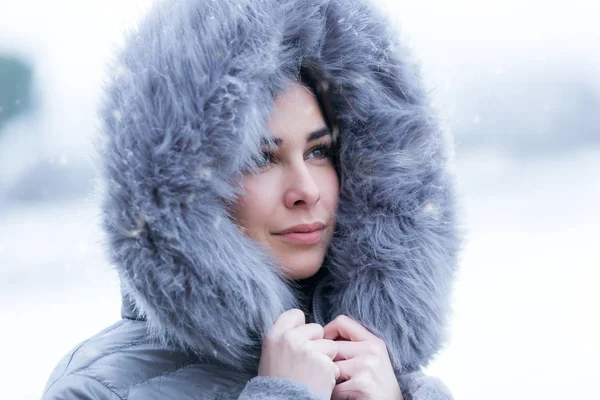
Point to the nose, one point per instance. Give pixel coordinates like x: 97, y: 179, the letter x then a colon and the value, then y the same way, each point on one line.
x: 302, y: 189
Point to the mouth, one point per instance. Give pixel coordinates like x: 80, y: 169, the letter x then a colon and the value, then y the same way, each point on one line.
x: 303, y: 234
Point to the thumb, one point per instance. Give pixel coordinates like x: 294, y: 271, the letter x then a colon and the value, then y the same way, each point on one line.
x: 336, y: 371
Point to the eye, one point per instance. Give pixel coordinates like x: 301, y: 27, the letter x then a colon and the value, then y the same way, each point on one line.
x: 321, y: 152
x: 265, y: 159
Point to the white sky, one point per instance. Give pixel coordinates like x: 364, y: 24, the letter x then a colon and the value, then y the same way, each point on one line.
x: 71, y: 40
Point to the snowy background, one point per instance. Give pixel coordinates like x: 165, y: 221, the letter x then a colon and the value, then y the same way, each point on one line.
x: 517, y: 84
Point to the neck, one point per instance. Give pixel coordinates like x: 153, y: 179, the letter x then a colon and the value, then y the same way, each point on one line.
x: 304, y: 288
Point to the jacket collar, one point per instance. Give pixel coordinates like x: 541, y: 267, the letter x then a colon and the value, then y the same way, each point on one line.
x: 318, y: 311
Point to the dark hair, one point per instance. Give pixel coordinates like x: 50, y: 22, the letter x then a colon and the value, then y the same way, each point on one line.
x: 315, y: 77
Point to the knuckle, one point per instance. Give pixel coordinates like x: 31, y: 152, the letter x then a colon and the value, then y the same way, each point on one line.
x: 377, y: 346
x: 373, y: 348
x: 371, y: 363
x: 362, y: 381
x: 303, y: 347
x: 269, y: 339
x: 317, y: 328
x: 326, y: 365
x: 341, y: 318
x: 335, y: 370
x: 289, y: 337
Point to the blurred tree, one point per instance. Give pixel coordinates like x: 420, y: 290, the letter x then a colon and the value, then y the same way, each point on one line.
x: 527, y: 112
x: 15, y: 88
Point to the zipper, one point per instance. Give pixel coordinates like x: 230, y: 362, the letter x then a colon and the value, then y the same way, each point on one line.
x: 316, y: 312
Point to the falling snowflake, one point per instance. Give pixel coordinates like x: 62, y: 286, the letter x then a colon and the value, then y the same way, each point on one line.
x: 140, y: 224
x: 117, y: 115
x: 190, y: 198
x: 432, y: 209
x: 359, y: 80
x: 122, y: 71
x: 205, y: 173
x: 308, y: 110
x: 83, y: 247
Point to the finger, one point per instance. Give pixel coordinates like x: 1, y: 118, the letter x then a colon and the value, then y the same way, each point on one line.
x: 346, y: 390
x: 327, y: 347
x: 288, y: 320
x: 347, y: 350
x: 347, y: 369
x: 334, y: 368
x: 336, y: 372
x: 346, y: 328
x: 309, y: 331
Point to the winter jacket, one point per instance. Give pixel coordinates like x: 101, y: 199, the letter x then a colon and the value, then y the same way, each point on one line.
x: 183, y: 115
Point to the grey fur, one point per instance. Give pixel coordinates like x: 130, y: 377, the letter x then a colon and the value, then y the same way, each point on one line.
x: 269, y: 388
x: 417, y: 386
x: 183, y: 116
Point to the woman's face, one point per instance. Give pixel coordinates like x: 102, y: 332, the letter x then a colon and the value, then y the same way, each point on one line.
x: 289, y: 206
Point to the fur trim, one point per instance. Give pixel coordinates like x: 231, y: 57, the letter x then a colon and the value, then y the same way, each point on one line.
x: 270, y: 388
x: 183, y: 115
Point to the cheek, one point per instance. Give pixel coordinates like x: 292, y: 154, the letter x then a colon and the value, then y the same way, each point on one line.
x: 251, y: 211
x: 330, y: 189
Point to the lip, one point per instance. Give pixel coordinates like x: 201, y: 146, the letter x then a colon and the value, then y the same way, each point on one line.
x: 304, y: 233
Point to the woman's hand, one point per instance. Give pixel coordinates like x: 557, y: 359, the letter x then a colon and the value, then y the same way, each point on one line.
x: 365, y: 368
x: 295, y: 350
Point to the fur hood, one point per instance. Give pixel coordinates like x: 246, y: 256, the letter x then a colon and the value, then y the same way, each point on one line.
x: 183, y: 114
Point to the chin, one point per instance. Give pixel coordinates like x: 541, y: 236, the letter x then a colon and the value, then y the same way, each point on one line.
x: 302, y: 269
x: 301, y: 274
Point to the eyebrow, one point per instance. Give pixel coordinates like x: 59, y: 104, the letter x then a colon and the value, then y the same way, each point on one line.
x: 318, y: 134
x: 312, y: 136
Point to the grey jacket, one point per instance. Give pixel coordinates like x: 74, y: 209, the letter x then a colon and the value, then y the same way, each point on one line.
x: 183, y: 115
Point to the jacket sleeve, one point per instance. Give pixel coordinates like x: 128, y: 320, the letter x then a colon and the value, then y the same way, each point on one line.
x: 418, y: 386
x: 414, y: 386
x: 80, y: 387
x: 270, y: 388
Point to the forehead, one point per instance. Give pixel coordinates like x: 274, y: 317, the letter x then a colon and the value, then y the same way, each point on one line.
x: 295, y: 113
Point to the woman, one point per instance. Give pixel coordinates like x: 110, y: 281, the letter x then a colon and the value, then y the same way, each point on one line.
x: 277, y: 207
